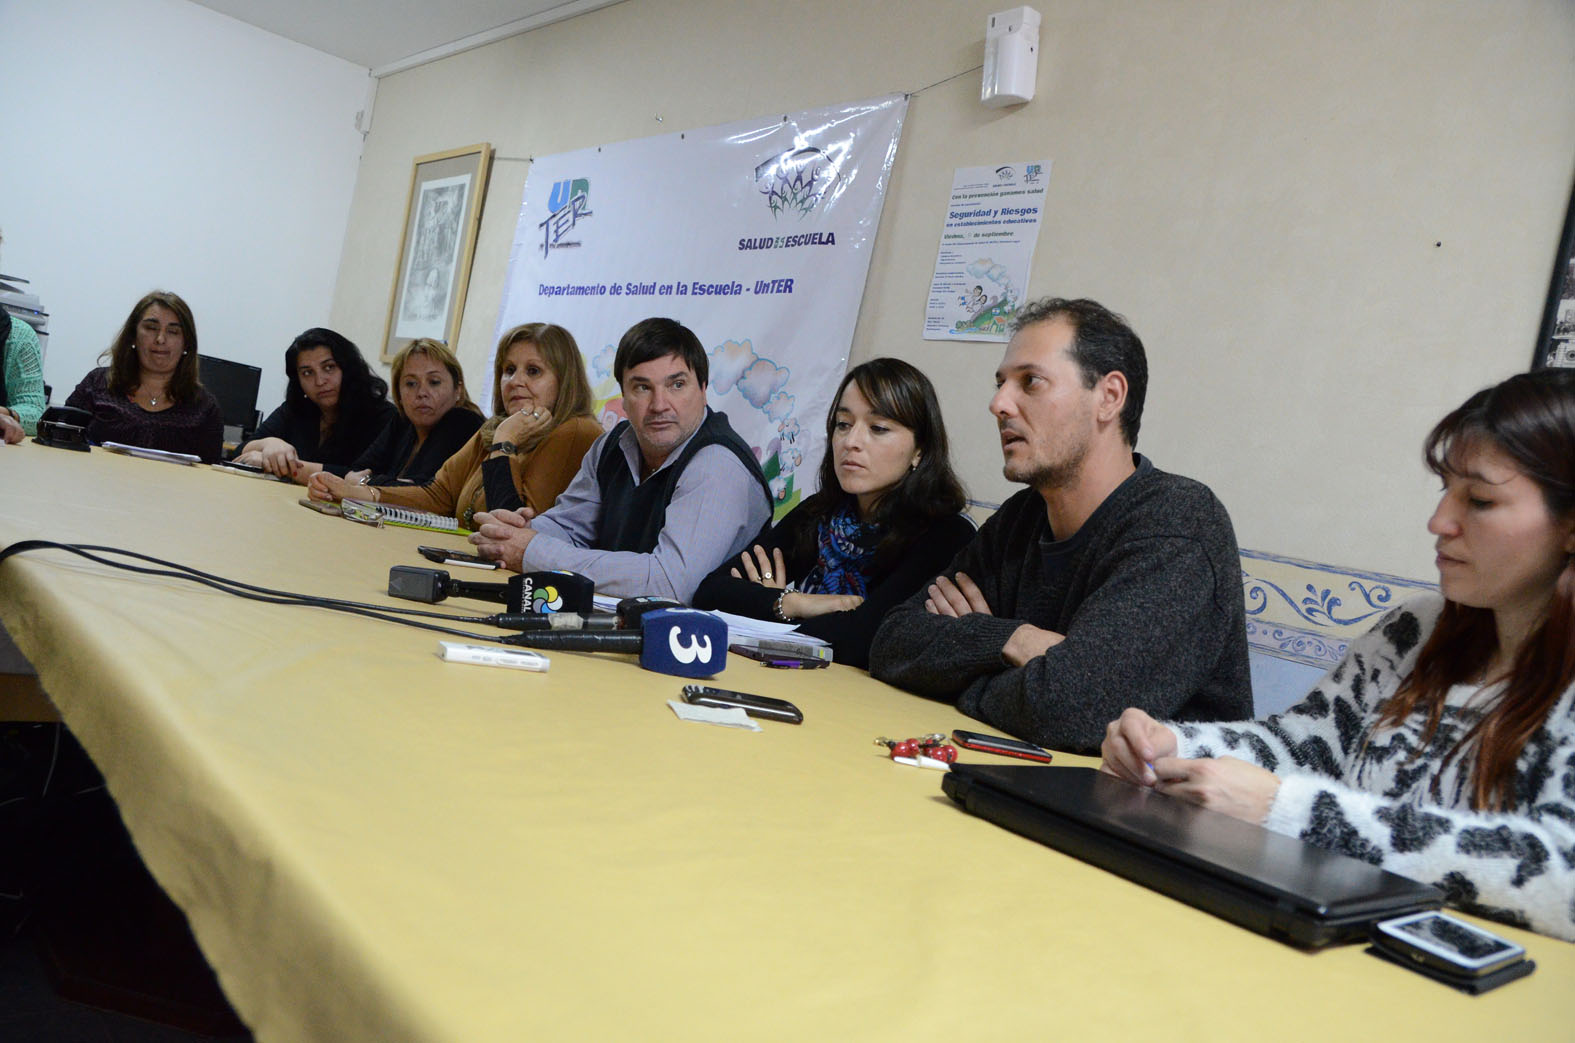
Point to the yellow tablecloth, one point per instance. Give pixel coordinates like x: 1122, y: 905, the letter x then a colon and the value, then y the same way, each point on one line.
x: 372, y: 844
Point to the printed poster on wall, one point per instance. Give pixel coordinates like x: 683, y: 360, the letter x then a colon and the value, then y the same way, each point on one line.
x: 986, y: 251
x: 756, y: 235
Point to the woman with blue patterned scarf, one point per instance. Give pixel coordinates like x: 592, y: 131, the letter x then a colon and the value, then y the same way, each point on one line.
x: 888, y: 518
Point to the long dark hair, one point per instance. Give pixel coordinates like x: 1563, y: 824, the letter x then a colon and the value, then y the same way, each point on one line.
x: 929, y: 492
x: 125, y: 371
x: 1530, y: 418
x: 360, y: 390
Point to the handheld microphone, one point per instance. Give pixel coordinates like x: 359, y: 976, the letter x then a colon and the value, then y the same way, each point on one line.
x: 555, y: 590
x: 684, y: 642
x: 414, y: 583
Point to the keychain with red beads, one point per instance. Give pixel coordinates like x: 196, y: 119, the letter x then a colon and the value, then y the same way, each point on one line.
x: 926, y: 751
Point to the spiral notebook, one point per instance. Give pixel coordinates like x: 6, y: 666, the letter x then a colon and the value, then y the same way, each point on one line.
x: 383, y: 514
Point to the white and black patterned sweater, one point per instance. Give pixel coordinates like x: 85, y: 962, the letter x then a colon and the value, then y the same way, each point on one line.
x: 1349, y: 788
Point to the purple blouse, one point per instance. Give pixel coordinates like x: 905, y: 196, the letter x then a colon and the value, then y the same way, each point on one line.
x: 195, y: 427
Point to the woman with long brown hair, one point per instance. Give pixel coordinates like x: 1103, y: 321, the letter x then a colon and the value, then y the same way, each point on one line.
x: 886, y: 518
x: 1442, y: 746
x: 149, y: 395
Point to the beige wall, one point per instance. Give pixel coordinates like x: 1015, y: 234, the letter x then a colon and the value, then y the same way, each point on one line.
x: 1329, y: 221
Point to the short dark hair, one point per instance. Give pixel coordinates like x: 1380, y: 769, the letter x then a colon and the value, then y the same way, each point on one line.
x: 1103, y: 343
x: 656, y: 339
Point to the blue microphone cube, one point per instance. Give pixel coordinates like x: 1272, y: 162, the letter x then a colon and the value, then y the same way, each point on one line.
x: 684, y: 642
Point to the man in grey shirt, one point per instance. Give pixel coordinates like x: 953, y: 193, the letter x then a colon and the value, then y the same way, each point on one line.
x: 660, y: 500
x: 1107, y: 583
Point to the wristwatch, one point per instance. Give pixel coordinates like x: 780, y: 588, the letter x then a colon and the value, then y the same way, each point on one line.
x: 502, y: 447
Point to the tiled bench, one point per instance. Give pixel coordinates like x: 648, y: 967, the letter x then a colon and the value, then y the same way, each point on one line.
x: 1301, y: 615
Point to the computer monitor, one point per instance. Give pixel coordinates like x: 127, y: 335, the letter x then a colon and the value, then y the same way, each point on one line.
x: 234, y: 384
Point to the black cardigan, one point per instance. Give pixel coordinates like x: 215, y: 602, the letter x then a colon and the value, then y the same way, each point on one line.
x: 849, y: 633
x: 348, y: 440
x: 390, y: 458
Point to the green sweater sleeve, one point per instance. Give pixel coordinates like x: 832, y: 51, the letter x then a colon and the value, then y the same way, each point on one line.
x: 24, y: 375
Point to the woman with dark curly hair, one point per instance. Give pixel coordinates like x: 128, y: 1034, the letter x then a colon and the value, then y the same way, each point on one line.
x: 334, y: 406
x: 887, y: 518
x: 149, y: 395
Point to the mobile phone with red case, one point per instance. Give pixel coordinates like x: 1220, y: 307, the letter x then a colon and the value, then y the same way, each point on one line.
x: 1002, y: 745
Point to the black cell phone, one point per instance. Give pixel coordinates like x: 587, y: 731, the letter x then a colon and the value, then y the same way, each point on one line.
x: 1452, y: 947
x: 444, y: 556
x: 1001, y: 744
x: 764, y: 655
x: 760, y: 706
x: 248, y: 468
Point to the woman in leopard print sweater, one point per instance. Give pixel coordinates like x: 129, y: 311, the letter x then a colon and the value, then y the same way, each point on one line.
x: 1442, y: 747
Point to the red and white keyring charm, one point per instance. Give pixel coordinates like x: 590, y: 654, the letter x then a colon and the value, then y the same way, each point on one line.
x: 927, y: 751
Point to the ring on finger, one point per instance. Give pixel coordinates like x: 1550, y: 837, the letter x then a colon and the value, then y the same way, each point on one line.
x: 765, y: 575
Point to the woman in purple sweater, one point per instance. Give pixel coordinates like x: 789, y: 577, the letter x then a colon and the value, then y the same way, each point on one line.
x: 149, y: 395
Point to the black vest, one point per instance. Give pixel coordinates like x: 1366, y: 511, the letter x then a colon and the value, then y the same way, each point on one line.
x: 633, y: 515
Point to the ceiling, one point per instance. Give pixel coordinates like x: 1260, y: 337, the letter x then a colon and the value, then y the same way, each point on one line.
x: 389, y: 35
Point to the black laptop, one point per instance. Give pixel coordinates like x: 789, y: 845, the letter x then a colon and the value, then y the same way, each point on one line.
x: 1269, y: 883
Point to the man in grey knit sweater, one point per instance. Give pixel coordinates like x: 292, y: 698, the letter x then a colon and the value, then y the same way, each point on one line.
x: 1107, y: 583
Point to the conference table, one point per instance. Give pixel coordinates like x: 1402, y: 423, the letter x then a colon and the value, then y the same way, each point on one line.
x: 373, y: 844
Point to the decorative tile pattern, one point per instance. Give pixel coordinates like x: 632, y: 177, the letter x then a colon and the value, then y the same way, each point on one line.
x: 1308, y: 611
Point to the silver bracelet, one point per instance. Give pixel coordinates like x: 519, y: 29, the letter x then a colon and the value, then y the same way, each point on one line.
x: 776, y: 609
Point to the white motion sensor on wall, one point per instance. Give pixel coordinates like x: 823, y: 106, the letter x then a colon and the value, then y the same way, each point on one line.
x: 1011, y: 57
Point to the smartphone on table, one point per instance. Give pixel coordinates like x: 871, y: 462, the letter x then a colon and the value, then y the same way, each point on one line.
x: 444, y: 556
x: 320, y: 506
x: 1001, y: 744
x: 1451, y: 950
x: 770, y: 658
x: 760, y: 706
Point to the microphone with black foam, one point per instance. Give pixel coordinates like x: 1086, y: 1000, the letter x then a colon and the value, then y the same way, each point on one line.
x: 537, y: 593
x: 414, y: 583
x: 684, y: 642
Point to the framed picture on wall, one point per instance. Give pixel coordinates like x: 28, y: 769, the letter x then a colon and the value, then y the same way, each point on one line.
x: 1556, y: 339
x: 441, y: 218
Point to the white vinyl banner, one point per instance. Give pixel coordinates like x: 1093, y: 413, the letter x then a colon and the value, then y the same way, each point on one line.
x: 756, y: 235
